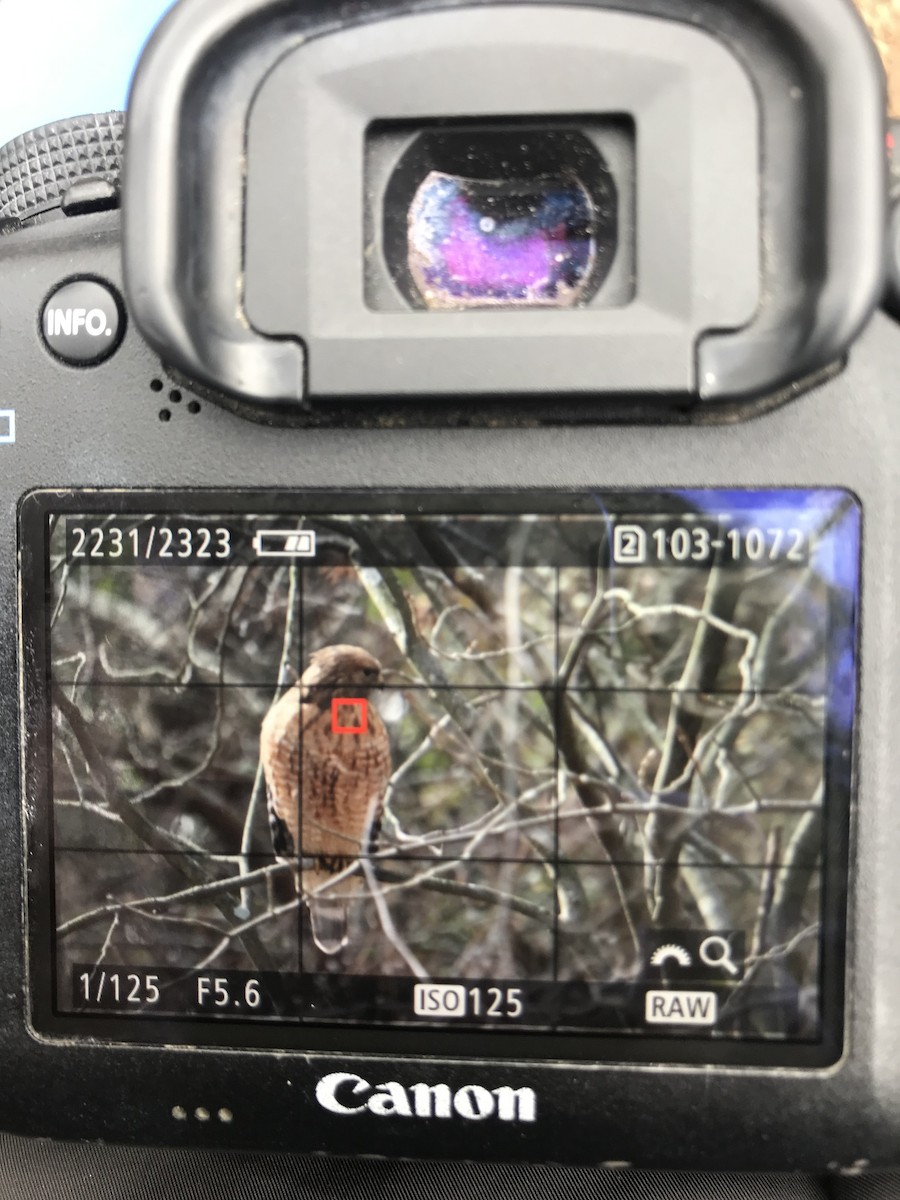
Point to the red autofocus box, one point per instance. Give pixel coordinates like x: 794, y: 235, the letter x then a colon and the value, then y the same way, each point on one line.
x: 358, y: 712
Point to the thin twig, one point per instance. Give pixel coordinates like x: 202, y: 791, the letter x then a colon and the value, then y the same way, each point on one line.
x: 766, y: 895
x: 387, y: 922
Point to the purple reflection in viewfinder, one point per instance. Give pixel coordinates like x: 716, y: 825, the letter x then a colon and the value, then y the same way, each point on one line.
x: 516, y: 244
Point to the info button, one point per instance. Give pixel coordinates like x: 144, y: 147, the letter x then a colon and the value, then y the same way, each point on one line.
x: 83, y: 322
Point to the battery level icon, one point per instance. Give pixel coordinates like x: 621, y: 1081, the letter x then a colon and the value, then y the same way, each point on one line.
x: 285, y: 543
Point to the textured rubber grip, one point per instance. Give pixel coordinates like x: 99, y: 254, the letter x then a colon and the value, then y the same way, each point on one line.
x: 38, y: 168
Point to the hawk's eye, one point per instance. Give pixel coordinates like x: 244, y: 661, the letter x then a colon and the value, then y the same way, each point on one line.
x: 369, y: 673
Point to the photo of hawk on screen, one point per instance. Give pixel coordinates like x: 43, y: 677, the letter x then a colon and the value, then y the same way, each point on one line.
x: 454, y: 749
x: 326, y: 757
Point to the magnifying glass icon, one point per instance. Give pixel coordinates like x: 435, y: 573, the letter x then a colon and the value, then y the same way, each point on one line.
x: 716, y: 952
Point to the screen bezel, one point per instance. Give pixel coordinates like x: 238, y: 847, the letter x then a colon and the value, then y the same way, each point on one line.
x: 198, y: 1032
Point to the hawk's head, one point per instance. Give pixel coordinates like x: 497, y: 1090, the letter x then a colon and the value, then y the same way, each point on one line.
x: 340, y: 671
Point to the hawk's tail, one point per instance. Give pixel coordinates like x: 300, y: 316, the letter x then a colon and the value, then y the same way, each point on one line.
x: 328, y: 919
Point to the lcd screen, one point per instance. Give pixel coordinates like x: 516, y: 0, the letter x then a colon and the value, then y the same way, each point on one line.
x: 568, y: 765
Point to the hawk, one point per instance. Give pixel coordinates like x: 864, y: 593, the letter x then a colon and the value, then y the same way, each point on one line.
x: 327, y: 762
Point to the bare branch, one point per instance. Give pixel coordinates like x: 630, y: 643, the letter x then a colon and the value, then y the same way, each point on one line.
x: 204, y: 891
x: 766, y: 894
x: 798, y: 869
x: 387, y: 922
x: 285, y: 680
x: 243, y: 930
x: 713, y: 628
x: 190, y: 866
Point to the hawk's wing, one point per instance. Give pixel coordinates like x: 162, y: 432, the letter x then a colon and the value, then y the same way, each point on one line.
x: 280, y: 758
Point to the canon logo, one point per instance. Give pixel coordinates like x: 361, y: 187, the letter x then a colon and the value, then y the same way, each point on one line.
x: 348, y: 1095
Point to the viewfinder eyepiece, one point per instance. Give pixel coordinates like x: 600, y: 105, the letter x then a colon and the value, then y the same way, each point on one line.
x: 500, y: 218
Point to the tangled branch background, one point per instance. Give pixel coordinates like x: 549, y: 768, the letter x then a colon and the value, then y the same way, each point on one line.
x: 581, y: 755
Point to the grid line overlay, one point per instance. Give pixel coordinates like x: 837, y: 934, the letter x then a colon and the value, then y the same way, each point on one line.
x: 636, y: 790
x: 299, y: 667
x: 557, y: 658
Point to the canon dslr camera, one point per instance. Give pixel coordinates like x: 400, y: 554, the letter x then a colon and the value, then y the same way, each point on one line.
x: 437, y: 518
